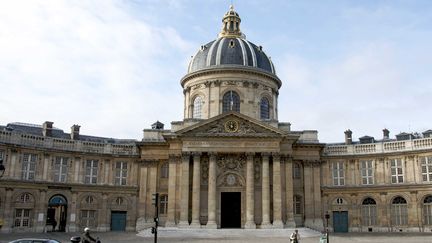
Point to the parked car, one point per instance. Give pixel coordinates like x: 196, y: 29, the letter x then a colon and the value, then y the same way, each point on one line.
x: 34, y: 240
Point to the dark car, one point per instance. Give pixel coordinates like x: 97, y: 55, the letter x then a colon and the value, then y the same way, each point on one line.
x: 33, y: 240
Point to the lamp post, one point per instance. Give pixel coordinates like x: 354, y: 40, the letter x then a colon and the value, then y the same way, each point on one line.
x: 2, y: 168
x: 327, y: 217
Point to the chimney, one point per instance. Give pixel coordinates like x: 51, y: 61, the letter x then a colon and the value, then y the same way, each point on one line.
x: 348, y: 137
x: 386, y: 134
x: 75, y: 132
x: 47, y: 129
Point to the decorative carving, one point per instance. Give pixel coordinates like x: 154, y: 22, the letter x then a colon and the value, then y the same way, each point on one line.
x: 218, y: 127
x: 246, y: 128
x: 230, y: 82
x: 231, y: 163
x: 230, y: 180
x: 257, y: 170
x: 204, y: 170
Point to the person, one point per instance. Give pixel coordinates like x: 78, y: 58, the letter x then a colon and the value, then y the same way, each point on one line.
x: 295, y: 237
x: 86, y: 237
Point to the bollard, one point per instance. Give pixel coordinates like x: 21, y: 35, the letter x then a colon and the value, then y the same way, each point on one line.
x: 75, y: 239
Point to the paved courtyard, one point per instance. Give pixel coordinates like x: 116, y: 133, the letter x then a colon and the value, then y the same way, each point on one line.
x: 235, y: 236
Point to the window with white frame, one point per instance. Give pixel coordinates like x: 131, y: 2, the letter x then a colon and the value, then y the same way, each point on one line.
x: 397, y: 175
x: 163, y: 204
x: 22, y: 217
x: 399, y: 211
x: 338, y: 173
x: 88, y: 218
x: 197, y: 107
x: 296, y: 171
x: 28, y: 166
x: 297, y: 204
x: 426, y: 164
x: 91, y: 171
x: 369, y: 212
x: 164, y: 170
x: 121, y: 173
x: 427, y: 210
x: 89, y: 199
x: 60, y: 169
x: 367, y: 172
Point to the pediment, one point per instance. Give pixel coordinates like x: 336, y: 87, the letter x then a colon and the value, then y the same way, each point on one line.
x: 231, y: 124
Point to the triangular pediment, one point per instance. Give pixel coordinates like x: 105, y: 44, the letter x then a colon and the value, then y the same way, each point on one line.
x: 231, y: 124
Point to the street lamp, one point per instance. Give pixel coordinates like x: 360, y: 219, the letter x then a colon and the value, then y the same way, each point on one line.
x: 327, y: 217
x: 2, y: 168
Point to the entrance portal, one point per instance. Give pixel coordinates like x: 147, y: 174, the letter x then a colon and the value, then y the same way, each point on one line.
x: 230, y: 210
x: 57, y: 213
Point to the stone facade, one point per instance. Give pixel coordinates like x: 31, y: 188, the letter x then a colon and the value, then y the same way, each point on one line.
x: 228, y: 163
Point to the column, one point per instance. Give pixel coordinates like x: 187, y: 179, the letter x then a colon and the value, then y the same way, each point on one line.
x: 250, y: 203
x: 308, y: 195
x: 289, y: 193
x: 45, y: 167
x: 171, y: 191
x: 103, y: 225
x: 318, y: 221
x: 41, y: 209
x: 184, y: 213
x: 8, y: 213
x: 72, y: 210
x: 141, y: 210
x: 265, y: 192
x: 212, y: 193
x: 77, y: 162
x: 196, y: 188
x: 277, y: 194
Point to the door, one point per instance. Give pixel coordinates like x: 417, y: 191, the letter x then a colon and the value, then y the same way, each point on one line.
x: 230, y: 210
x: 118, y: 220
x: 340, y: 221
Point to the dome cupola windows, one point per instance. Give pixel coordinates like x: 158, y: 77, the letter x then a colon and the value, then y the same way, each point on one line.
x: 231, y: 102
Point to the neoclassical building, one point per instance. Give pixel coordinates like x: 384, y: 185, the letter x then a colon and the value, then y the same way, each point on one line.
x: 230, y: 163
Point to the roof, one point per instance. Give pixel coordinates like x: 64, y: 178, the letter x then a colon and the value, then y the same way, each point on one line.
x: 36, y: 130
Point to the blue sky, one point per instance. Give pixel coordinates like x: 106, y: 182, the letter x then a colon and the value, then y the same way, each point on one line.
x: 114, y: 67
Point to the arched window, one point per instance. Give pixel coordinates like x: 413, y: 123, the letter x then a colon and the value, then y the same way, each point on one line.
x: 427, y: 210
x: 197, y: 107
x: 89, y: 199
x: 231, y: 102
x: 399, y: 211
x: 25, y: 197
x: 264, y: 108
x: 369, y: 213
x: 297, y: 204
x: 164, y: 170
x: 119, y: 201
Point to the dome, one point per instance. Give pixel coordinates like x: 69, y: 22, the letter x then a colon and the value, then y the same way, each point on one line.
x: 228, y: 52
x: 231, y: 49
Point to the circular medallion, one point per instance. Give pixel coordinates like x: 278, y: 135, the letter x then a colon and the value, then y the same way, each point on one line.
x: 231, y: 126
x: 231, y: 180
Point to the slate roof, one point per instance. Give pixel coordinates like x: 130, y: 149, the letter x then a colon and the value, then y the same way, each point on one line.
x: 36, y: 130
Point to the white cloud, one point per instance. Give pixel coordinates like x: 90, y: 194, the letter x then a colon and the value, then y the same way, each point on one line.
x: 87, y: 62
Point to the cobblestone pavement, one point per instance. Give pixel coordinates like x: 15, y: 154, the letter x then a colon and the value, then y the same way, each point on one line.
x: 112, y: 237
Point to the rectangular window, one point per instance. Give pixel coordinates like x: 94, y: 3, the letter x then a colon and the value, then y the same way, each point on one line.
x: 397, y: 175
x: 91, y: 172
x: 60, y: 169
x: 28, y: 166
x: 296, y: 171
x: 88, y: 218
x: 369, y: 215
x: 22, y: 218
x: 426, y: 164
x: 120, y: 173
x: 338, y: 173
x: 163, y: 204
x: 367, y: 172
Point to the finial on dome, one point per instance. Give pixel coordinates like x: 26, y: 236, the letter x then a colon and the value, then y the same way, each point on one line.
x: 231, y: 24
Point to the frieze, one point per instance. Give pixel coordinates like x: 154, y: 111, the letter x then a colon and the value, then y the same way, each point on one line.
x: 230, y: 144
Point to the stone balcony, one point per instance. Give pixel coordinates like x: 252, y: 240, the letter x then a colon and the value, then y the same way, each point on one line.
x: 28, y: 140
x: 378, y: 147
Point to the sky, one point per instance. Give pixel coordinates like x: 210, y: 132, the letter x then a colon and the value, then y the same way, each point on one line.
x: 114, y: 67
